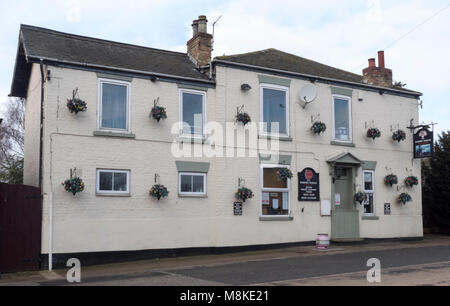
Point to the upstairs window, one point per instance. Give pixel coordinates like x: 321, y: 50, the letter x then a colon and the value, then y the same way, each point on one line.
x: 192, y: 113
x: 114, y: 105
x: 274, y: 110
x: 342, y: 119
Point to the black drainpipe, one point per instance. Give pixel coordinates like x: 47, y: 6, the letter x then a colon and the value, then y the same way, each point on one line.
x: 41, y: 62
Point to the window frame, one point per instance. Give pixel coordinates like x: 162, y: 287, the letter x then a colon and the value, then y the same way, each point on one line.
x: 112, y: 192
x: 369, y: 192
x: 287, y: 190
x: 195, y: 92
x: 350, y: 129
x: 192, y: 194
x: 102, y: 81
x: 286, y: 89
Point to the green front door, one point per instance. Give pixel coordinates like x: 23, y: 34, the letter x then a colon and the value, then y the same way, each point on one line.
x: 344, y: 216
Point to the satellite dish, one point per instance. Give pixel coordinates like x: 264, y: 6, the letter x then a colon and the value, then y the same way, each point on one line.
x: 308, y: 94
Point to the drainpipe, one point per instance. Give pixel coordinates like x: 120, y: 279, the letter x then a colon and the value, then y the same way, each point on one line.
x: 41, y: 63
x: 41, y: 142
x: 50, y: 234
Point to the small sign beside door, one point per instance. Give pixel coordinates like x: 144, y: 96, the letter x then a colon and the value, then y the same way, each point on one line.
x: 237, y: 208
x: 387, y: 208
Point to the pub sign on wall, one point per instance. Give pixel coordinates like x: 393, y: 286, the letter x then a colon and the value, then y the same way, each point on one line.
x: 308, y: 186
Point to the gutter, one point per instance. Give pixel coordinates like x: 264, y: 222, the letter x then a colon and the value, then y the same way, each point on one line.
x: 309, y: 76
x: 32, y: 58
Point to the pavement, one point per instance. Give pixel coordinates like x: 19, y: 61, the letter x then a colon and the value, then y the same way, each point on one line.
x: 410, y: 263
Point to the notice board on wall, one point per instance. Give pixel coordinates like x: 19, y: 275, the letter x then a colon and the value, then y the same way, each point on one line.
x: 308, y: 186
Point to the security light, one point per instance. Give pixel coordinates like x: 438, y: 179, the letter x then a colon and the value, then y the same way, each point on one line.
x: 246, y: 87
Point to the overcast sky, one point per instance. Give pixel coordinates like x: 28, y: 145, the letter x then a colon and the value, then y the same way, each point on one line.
x: 342, y: 34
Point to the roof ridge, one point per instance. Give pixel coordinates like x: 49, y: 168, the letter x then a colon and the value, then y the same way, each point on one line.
x: 316, y: 62
x: 247, y: 53
x: 290, y: 54
x: 98, y: 40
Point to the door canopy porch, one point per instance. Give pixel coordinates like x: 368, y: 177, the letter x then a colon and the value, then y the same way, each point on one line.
x: 345, y: 159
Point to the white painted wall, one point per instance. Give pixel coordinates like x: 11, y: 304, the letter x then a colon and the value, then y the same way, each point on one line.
x: 89, y: 223
x: 32, y: 128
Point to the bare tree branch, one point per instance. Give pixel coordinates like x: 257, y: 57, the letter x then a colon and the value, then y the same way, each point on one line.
x: 12, y: 141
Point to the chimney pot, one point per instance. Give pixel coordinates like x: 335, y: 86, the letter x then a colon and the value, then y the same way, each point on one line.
x: 194, y: 27
x: 371, y: 63
x: 202, y: 24
x: 381, y: 59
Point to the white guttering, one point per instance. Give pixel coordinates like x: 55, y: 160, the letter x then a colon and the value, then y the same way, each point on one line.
x: 120, y: 69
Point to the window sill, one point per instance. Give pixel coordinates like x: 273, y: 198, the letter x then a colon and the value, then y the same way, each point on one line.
x: 187, y: 139
x: 284, y: 218
x: 373, y: 218
x: 115, y: 195
x: 280, y: 138
x: 192, y: 196
x: 114, y: 134
x: 344, y: 144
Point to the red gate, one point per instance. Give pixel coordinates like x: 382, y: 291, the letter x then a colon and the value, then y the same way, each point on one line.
x: 20, y: 228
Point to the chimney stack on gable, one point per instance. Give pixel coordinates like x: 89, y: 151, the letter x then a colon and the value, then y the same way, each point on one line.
x: 378, y: 76
x: 199, y: 46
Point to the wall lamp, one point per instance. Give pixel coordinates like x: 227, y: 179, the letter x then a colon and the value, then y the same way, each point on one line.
x: 245, y: 87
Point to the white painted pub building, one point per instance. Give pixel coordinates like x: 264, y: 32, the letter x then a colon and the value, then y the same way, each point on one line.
x: 120, y: 152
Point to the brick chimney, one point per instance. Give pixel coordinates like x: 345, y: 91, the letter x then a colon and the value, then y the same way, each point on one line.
x: 378, y: 76
x: 199, y: 46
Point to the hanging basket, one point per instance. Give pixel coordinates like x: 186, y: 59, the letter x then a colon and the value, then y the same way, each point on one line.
x: 373, y: 133
x: 158, y: 113
x: 159, y: 191
x: 360, y: 197
x: 411, y: 181
x: 74, y: 185
x: 399, y: 136
x: 404, y: 198
x: 391, y: 179
x: 284, y: 174
x: 244, y: 194
x: 243, y: 118
x: 318, y: 127
x: 76, y: 105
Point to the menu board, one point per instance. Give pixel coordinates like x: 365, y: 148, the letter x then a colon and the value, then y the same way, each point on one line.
x: 308, y: 186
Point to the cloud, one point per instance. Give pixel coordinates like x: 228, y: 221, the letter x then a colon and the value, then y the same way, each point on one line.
x: 343, y: 34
